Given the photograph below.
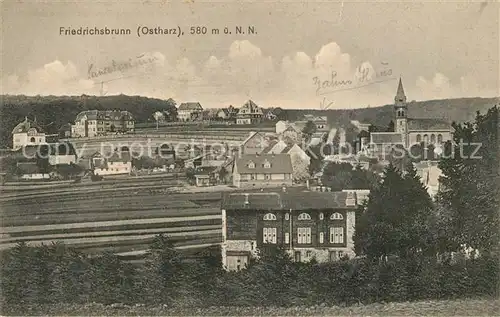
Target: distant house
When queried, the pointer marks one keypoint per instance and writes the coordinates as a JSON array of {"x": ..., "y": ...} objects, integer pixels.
[
  {"x": 27, "y": 132},
  {"x": 120, "y": 162},
  {"x": 186, "y": 110},
  {"x": 31, "y": 171},
  {"x": 308, "y": 225},
  {"x": 272, "y": 113},
  {"x": 65, "y": 131},
  {"x": 62, "y": 154},
  {"x": 93, "y": 123},
  {"x": 255, "y": 143},
  {"x": 206, "y": 176},
  {"x": 222, "y": 114},
  {"x": 321, "y": 122},
  {"x": 294, "y": 151},
  {"x": 249, "y": 113},
  {"x": 254, "y": 170}
]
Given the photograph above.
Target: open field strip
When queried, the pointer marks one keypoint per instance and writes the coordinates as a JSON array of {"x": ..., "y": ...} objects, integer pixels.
[
  {"x": 112, "y": 239},
  {"x": 97, "y": 234}
]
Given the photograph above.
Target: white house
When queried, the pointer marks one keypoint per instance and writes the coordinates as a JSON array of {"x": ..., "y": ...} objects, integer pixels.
[
  {"x": 187, "y": 110},
  {"x": 27, "y": 133},
  {"x": 119, "y": 163}
]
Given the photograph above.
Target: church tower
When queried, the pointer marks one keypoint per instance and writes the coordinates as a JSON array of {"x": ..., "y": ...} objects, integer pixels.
[{"x": 401, "y": 111}]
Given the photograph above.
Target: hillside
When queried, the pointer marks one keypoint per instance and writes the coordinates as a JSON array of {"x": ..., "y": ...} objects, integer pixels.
[{"x": 54, "y": 111}]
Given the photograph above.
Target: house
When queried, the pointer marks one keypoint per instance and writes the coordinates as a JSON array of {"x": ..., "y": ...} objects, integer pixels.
[
  {"x": 31, "y": 171},
  {"x": 255, "y": 143},
  {"x": 118, "y": 163},
  {"x": 62, "y": 154},
  {"x": 321, "y": 122},
  {"x": 93, "y": 123},
  {"x": 272, "y": 113},
  {"x": 267, "y": 170},
  {"x": 295, "y": 152},
  {"x": 410, "y": 131},
  {"x": 27, "y": 132},
  {"x": 186, "y": 110},
  {"x": 222, "y": 114},
  {"x": 65, "y": 131},
  {"x": 249, "y": 113},
  {"x": 308, "y": 225}
]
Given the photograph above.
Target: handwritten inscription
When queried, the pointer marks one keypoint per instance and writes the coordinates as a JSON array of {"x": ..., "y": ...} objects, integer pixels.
[
  {"x": 120, "y": 66},
  {"x": 364, "y": 76}
]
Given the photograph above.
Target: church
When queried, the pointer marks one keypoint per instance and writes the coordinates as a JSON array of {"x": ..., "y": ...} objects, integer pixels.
[{"x": 410, "y": 131}]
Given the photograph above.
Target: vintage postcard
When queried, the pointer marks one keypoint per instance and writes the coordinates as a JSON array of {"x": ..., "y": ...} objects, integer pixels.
[{"x": 240, "y": 158}]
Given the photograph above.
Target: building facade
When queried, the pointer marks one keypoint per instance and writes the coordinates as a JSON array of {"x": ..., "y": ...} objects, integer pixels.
[
  {"x": 27, "y": 132},
  {"x": 309, "y": 225},
  {"x": 266, "y": 170},
  {"x": 94, "y": 123},
  {"x": 116, "y": 164},
  {"x": 249, "y": 113},
  {"x": 188, "y": 110}
]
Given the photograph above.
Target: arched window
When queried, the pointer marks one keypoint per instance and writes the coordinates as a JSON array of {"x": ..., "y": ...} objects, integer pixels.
[
  {"x": 304, "y": 216},
  {"x": 287, "y": 216},
  {"x": 440, "y": 138},
  {"x": 32, "y": 140},
  {"x": 433, "y": 138},
  {"x": 336, "y": 216},
  {"x": 419, "y": 138},
  {"x": 269, "y": 216},
  {"x": 426, "y": 138},
  {"x": 321, "y": 216}
]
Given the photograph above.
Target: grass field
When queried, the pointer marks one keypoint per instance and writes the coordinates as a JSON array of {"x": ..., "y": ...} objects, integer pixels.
[{"x": 465, "y": 307}]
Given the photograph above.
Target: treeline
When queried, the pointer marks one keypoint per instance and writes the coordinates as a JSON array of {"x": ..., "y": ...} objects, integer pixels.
[{"x": 51, "y": 112}]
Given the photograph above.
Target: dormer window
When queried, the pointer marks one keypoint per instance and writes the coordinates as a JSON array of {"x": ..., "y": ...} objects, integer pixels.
[
  {"x": 304, "y": 216},
  {"x": 336, "y": 216},
  {"x": 267, "y": 164},
  {"x": 251, "y": 165},
  {"x": 269, "y": 216}
]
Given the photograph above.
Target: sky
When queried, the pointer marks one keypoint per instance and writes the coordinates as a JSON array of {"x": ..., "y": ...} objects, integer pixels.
[{"x": 314, "y": 54}]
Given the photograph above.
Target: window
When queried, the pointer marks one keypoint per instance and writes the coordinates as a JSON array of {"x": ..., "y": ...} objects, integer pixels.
[
  {"x": 419, "y": 138},
  {"x": 32, "y": 140},
  {"x": 337, "y": 235},
  {"x": 321, "y": 216},
  {"x": 308, "y": 254},
  {"x": 267, "y": 176},
  {"x": 251, "y": 165},
  {"x": 341, "y": 254},
  {"x": 321, "y": 237},
  {"x": 304, "y": 216},
  {"x": 433, "y": 138},
  {"x": 266, "y": 164},
  {"x": 336, "y": 216},
  {"x": 440, "y": 138},
  {"x": 252, "y": 176},
  {"x": 269, "y": 216},
  {"x": 287, "y": 238},
  {"x": 303, "y": 235},
  {"x": 269, "y": 235},
  {"x": 287, "y": 216},
  {"x": 426, "y": 138}
]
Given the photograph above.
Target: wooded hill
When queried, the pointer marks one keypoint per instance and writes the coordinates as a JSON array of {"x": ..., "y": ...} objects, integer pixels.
[{"x": 54, "y": 111}]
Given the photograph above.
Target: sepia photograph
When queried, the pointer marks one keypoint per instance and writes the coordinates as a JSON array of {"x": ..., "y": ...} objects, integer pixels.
[{"x": 249, "y": 158}]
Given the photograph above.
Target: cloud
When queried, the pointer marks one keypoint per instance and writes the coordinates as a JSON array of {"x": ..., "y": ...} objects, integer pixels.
[{"x": 246, "y": 72}]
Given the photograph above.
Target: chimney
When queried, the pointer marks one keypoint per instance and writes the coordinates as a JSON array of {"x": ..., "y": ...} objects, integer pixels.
[
  {"x": 246, "y": 200},
  {"x": 350, "y": 200}
]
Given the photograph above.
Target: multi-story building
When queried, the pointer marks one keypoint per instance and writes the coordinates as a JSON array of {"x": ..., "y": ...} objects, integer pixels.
[
  {"x": 118, "y": 163},
  {"x": 249, "y": 113},
  {"x": 189, "y": 110},
  {"x": 93, "y": 123},
  {"x": 27, "y": 133},
  {"x": 307, "y": 224},
  {"x": 266, "y": 170}
]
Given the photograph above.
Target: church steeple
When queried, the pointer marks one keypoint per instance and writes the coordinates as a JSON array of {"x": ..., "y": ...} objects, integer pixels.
[{"x": 400, "y": 94}]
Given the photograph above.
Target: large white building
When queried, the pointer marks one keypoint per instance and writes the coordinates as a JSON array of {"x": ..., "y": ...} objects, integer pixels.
[
  {"x": 93, "y": 123},
  {"x": 27, "y": 133}
]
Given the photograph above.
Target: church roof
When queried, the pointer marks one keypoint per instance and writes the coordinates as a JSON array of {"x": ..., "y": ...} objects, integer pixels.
[
  {"x": 430, "y": 124},
  {"x": 401, "y": 91}
]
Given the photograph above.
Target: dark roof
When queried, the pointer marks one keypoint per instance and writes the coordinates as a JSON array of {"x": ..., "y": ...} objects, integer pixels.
[
  {"x": 422, "y": 124},
  {"x": 401, "y": 91},
  {"x": 105, "y": 115},
  {"x": 28, "y": 167},
  {"x": 190, "y": 106},
  {"x": 206, "y": 170},
  {"x": 65, "y": 127},
  {"x": 386, "y": 138},
  {"x": 302, "y": 200},
  {"x": 280, "y": 163},
  {"x": 27, "y": 124},
  {"x": 64, "y": 148}
]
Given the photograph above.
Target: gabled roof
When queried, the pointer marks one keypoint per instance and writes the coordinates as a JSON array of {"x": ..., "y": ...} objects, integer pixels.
[
  {"x": 386, "y": 138},
  {"x": 250, "y": 108},
  {"x": 27, "y": 124},
  {"x": 280, "y": 164},
  {"x": 284, "y": 201},
  {"x": 430, "y": 124},
  {"x": 105, "y": 115},
  {"x": 190, "y": 106}
]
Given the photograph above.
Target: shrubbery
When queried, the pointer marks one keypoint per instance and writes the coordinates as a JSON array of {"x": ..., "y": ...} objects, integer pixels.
[{"x": 57, "y": 274}]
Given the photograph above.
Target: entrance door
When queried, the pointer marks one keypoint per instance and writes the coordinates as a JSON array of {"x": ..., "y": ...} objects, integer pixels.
[{"x": 297, "y": 256}]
